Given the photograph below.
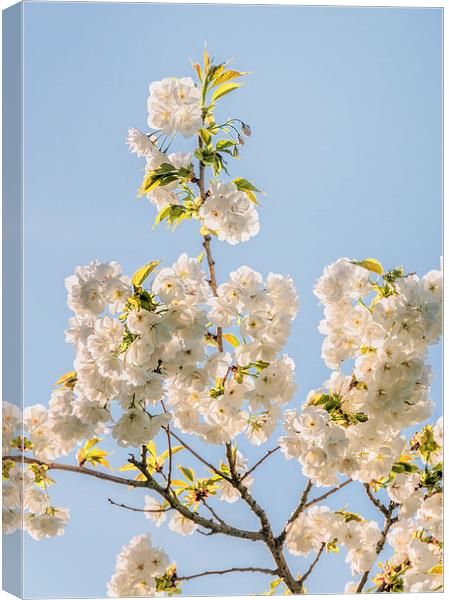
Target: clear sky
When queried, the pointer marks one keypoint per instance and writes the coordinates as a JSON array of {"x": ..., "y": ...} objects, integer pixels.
[{"x": 345, "y": 106}]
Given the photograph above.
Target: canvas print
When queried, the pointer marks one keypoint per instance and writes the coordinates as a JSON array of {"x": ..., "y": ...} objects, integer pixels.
[{"x": 223, "y": 357}]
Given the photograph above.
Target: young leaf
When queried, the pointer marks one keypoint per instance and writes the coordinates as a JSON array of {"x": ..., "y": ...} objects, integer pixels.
[
  {"x": 197, "y": 68},
  {"x": 188, "y": 473},
  {"x": 371, "y": 264},
  {"x": 436, "y": 570},
  {"x": 224, "y": 89},
  {"x": 141, "y": 274},
  {"x": 205, "y": 135},
  {"x": 151, "y": 447},
  {"x": 166, "y": 453},
  {"x": 244, "y": 185},
  {"x": 206, "y": 59},
  {"x": 162, "y": 214},
  {"x": 225, "y": 76},
  {"x": 68, "y": 379},
  {"x": 92, "y": 455},
  {"x": 128, "y": 467},
  {"x": 231, "y": 339}
]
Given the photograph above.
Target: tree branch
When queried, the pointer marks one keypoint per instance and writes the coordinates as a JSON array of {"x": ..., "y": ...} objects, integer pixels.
[
  {"x": 51, "y": 466},
  {"x": 266, "y": 533},
  {"x": 259, "y": 462},
  {"x": 170, "y": 454},
  {"x": 225, "y": 571},
  {"x": 329, "y": 493},
  {"x": 199, "y": 457},
  {"x": 144, "y": 510},
  {"x": 377, "y": 503},
  {"x": 297, "y": 511},
  {"x": 212, "y": 512},
  {"x": 313, "y": 564},
  {"x": 175, "y": 503},
  {"x": 389, "y": 521},
  {"x": 273, "y": 544}
]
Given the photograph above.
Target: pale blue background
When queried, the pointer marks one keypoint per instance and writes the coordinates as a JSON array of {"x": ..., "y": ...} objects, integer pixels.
[{"x": 345, "y": 105}]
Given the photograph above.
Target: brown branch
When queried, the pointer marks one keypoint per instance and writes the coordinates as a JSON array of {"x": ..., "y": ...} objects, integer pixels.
[
  {"x": 266, "y": 533},
  {"x": 51, "y": 466},
  {"x": 377, "y": 503},
  {"x": 273, "y": 544},
  {"x": 170, "y": 454},
  {"x": 329, "y": 493},
  {"x": 199, "y": 457},
  {"x": 259, "y": 462},
  {"x": 144, "y": 510},
  {"x": 313, "y": 564},
  {"x": 299, "y": 509},
  {"x": 213, "y": 512},
  {"x": 225, "y": 571},
  {"x": 207, "y": 532},
  {"x": 176, "y": 504},
  {"x": 389, "y": 521},
  {"x": 212, "y": 283}
]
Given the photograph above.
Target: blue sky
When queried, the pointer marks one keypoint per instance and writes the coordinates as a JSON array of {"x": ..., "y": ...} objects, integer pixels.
[{"x": 345, "y": 106}]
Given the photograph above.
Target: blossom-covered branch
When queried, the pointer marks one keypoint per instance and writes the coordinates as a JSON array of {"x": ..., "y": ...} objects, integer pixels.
[{"x": 171, "y": 354}]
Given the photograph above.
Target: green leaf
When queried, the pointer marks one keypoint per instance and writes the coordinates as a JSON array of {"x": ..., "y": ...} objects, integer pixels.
[
  {"x": 224, "y": 89},
  {"x": 141, "y": 274},
  {"x": 68, "y": 379},
  {"x": 404, "y": 467},
  {"x": 224, "y": 76},
  {"x": 273, "y": 585},
  {"x": 162, "y": 214},
  {"x": 224, "y": 144},
  {"x": 371, "y": 264},
  {"x": 188, "y": 473},
  {"x": 244, "y": 185},
  {"x": 205, "y": 135},
  {"x": 231, "y": 339},
  {"x": 166, "y": 453}
]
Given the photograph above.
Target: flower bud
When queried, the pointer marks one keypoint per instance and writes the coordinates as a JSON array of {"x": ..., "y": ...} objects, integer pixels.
[{"x": 246, "y": 129}]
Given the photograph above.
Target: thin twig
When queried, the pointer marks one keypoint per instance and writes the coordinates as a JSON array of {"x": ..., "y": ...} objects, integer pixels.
[
  {"x": 329, "y": 493},
  {"x": 207, "y": 532},
  {"x": 299, "y": 509},
  {"x": 313, "y": 565},
  {"x": 170, "y": 454},
  {"x": 389, "y": 521},
  {"x": 225, "y": 571},
  {"x": 177, "y": 505},
  {"x": 82, "y": 470},
  {"x": 377, "y": 503},
  {"x": 199, "y": 457},
  {"x": 144, "y": 510},
  {"x": 273, "y": 544},
  {"x": 259, "y": 462},
  {"x": 213, "y": 513},
  {"x": 267, "y": 535}
]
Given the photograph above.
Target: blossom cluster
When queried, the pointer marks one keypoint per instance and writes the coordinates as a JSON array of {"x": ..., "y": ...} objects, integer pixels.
[
  {"x": 137, "y": 568},
  {"x": 320, "y": 526},
  {"x": 416, "y": 564},
  {"x": 181, "y": 350},
  {"x": 417, "y": 536},
  {"x": 243, "y": 390},
  {"x": 382, "y": 329},
  {"x": 174, "y": 105},
  {"x": 229, "y": 213},
  {"x": 226, "y": 210},
  {"x": 135, "y": 348},
  {"x": 26, "y": 501}
]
